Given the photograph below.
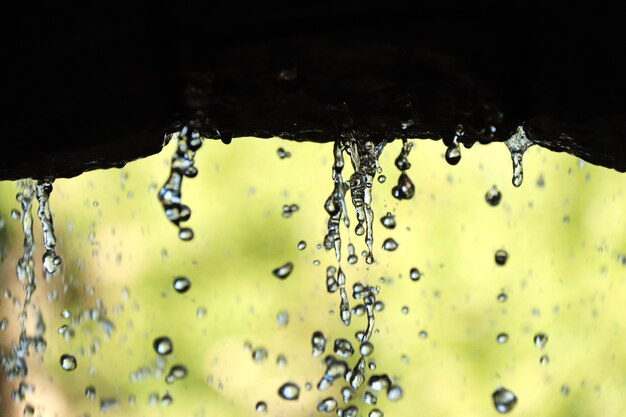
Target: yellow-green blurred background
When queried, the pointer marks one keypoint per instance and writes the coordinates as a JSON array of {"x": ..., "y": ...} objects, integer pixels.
[{"x": 564, "y": 277}]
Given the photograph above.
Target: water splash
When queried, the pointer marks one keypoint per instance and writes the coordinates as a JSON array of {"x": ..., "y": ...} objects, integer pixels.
[
  {"x": 517, "y": 144},
  {"x": 182, "y": 165},
  {"x": 51, "y": 260}
]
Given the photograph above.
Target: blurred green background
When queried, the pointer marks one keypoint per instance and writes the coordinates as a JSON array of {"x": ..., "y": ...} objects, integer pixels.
[{"x": 564, "y": 277}]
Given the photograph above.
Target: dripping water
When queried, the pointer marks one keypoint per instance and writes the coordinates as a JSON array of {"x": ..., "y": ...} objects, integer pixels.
[{"x": 517, "y": 144}]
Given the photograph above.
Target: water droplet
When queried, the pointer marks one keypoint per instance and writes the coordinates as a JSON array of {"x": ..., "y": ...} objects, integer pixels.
[
  {"x": 415, "y": 274},
  {"x": 318, "y": 342},
  {"x": 389, "y": 221},
  {"x": 405, "y": 310},
  {"x": 201, "y": 312},
  {"x": 68, "y": 362},
  {"x": 540, "y": 340},
  {"x": 282, "y": 272},
  {"x": 261, "y": 407},
  {"x": 394, "y": 393},
  {"x": 504, "y": 400},
  {"x": 502, "y": 338},
  {"x": 166, "y": 400},
  {"x": 544, "y": 360},
  {"x": 493, "y": 196},
  {"x": 390, "y": 244},
  {"x": 379, "y": 382},
  {"x": 185, "y": 234},
  {"x": 369, "y": 398},
  {"x": 348, "y": 394},
  {"x": 453, "y": 154},
  {"x": 423, "y": 334},
  {"x": 327, "y": 405},
  {"x": 501, "y": 257},
  {"x": 281, "y": 361},
  {"x": 502, "y": 297},
  {"x": 282, "y": 318},
  {"x": 107, "y": 404},
  {"x": 382, "y": 179},
  {"x": 259, "y": 354},
  {"x": 376, "y": 413},
  {"x": 302, "y": 245},
  {"x": 176, "y": 372},
  {"x": 379, "y": 306},
  {"x": 405, "y": 189},
  {"x": 163, "y": 345},
  {"x": 350, "y": 411},
  {"x": 282, "y": 154},
  {"x": 90, "y": 392},
  {"x": 366, "y": 349},
  {"x": 343, "y": 348},
  {"x": 517, "y": 144},
  {"x": 289, "y": 391},
  {"x": 182, "y": 285},
  {"x": 564, "y": 390}
]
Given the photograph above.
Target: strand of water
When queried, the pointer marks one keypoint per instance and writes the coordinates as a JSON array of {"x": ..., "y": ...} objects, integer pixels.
[
  {"x": 335, "y": 204},
  {"x": 51, "y": 260},
  {"x": 182, "y": 165}
]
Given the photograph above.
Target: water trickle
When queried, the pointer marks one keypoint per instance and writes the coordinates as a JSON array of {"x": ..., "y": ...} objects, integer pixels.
[
  {"x": 493, "y": 196},
  {"x": 163, "y": 345},
  {"x": 289, "y": 391},
  {"x": 390, "y": 244},
  {"x": 453, "y": 153},
  {"x": 68, "y": 362},
  {"x": 182, "y": 165},
  {"x": 389, "y": 221},
  {"x": 318, "y": 342},
  {"x": 504, "y": 400},
  {"x": 540, "y": 340},
  {"x": 51, "y": 260},
  {"x": 501, "y": 257},
  {"x": 327, "y": 405},
  {"x": 282, "y": 272},
  {"x": 517, "y": 144},
  {"x": 181, "y": 285}
]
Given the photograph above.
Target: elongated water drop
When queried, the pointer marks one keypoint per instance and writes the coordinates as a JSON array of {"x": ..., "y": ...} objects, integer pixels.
[
  {"x": 344, "y": 306},
  {"x": 504, "y": 400},
  {"x": 301, "y": 245},
  {"x": 343, "y": 348},
  {"x": 283, "y": 271},
  {"x": 289, "y": 391},
  {"x": 379, "y": 382},
  {"x": 540, "y": 340},
  {"x": 318, "y": 341},
  {"x": 517, "y": 144},
  {"x": 347, "y": 393},
  {"x": 90, "y": 392},
  {"x": 389, "y": 221},
  {"x": 51, "y": 260},
  {"x": 405, "y": 189}
]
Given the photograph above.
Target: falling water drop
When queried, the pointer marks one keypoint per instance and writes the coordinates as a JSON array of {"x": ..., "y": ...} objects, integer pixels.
[
  {"x": 282, "y": 154},
  {"x": 68, "y": 362},
  {"x": 282, "y": 272},
  {"x": 344, "y": 306},
  {"x": 502, "y": 297},
  {"x": 181, "y": 285},
  {"x": 376, "y": 413},
  {"x": 501, "y": 257},
  {"x": 540, "y": 340},
  {"x": 327, "y": 405},
  {"x": 366, "y": 349},
  {"x": 185, "y": 234},
  {"x": 163, "y": 345},
  {"x": 90, "y": 392},
  {"x": 493, "y": 196},
  {"x": 289, "y": 209},
  {"x": 544, "y": 360},
  {"x": 302, "y": 245},
  {"x": 259, "y": 354},
  {"x": 405, "y": 189},
  {"x": 289, "y": 391},
  {"x": 382, "y": 179},
  {"x": 394, "y": 393},
  {"x": 369, "y": 398},
  {"x": 343, "y": 348},
  {"x": 352, "y": 258},
  {"x": 318, "y": 342},
  {"x": 502, "y": 338},
  {"x": 390, "y": 244},
  {"x": 504, "y": 400},
  {"x": 261, "y": 407},
  {"x": 415, "y": 274},
  {"x": 379, "y": 382},
  {"x": 389, "y": 221}
]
